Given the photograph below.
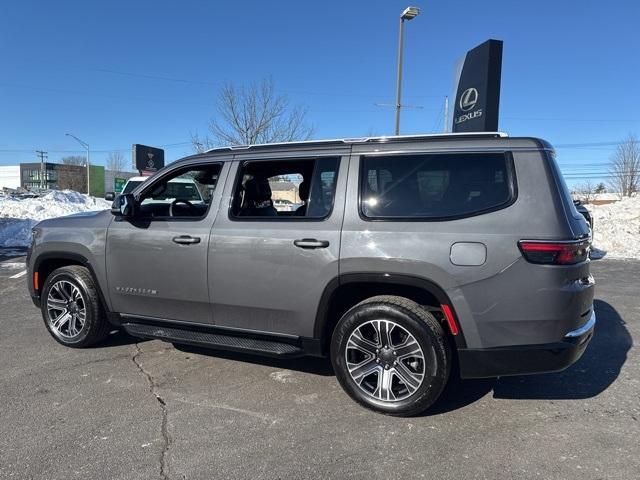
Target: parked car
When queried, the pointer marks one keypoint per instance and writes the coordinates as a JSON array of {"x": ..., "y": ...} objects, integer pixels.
[
  {"x": 410, "y": 254},
  {"x": 129, "y": 186},
  {"x": 582, "y": 210}
]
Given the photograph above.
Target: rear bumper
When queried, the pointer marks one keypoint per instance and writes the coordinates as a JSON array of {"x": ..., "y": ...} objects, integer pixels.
[{"x": 526, "y": 359}]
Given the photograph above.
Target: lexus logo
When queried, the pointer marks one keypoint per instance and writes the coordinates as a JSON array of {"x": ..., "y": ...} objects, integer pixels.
[{"x": 468, "y": 99}]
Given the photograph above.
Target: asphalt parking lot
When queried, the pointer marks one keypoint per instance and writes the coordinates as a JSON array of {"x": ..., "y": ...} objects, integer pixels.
[{"x": 146, "y": 410}]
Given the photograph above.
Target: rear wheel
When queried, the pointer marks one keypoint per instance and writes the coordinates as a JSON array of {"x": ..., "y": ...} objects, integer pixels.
[
  {"x": 71, "y": 308},
  {"x": 391, "y": 355}
]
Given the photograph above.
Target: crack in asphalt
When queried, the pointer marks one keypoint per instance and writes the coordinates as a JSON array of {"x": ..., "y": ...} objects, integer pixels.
[{"x": 153, "y": 388}]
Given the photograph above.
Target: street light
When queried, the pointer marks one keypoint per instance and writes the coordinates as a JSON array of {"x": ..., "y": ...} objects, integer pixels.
[
  {"x": 409, "y": 14},
  {"x": 85, "y": 145}
]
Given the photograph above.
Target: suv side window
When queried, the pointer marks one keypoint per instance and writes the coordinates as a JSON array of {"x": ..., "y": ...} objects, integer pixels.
[
  {"x": 185, "y": 193},
  {"x": 285, "y": 189},
  {"x": 435, "y": 186}
]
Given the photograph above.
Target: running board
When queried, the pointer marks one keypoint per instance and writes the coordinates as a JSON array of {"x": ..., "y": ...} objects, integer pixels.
[{"x": 221, "y": 341}]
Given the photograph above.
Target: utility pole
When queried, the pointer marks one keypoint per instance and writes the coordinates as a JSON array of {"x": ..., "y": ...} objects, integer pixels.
[
  {"x": 446, "y": 114},
  {"x": 42, "y": 155}
]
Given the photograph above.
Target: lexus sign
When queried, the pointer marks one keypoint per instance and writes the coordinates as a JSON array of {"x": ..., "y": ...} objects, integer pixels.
[
  {"x": 468, "y": 99},
  {"x": 477, "y": 89}
]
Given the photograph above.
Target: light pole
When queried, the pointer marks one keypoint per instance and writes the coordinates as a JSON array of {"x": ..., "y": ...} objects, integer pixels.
[
  {"x": 85, "y": 145},
  {"x": 409, "y": 14}
]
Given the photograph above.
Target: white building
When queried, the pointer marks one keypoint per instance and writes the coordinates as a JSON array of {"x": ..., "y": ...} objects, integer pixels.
[{"x": 9, "y": 176}]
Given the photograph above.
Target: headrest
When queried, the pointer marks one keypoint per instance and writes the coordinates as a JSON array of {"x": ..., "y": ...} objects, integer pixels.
[
  {"x": 207, "y": 177},
  {"x": 257, "y": 189},
  {"x": 303, "y": 191}
]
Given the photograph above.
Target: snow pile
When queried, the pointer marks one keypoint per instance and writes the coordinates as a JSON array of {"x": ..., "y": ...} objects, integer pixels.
[
  {"x": 617, "y": 227},
  {"x": 19, "y": 215}
]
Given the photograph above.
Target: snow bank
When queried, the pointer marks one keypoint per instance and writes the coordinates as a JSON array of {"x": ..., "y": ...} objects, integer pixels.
[
  {"x": 18, "y": 216},
  {"x": 617, "y": 227}
]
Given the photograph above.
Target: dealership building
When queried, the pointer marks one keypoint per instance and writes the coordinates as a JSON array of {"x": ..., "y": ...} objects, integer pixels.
[{"x": 58, "y": 176}]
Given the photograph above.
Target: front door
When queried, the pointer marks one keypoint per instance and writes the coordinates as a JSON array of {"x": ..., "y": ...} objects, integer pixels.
[
  {"x": 278, "y": 247},
  {"x": 157, "y": 263}
]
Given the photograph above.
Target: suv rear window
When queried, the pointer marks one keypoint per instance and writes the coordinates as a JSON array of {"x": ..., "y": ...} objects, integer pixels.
[{"x": 435, "y": 186}]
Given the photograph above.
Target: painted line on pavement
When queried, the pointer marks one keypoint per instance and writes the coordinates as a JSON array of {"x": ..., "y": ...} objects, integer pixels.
[{"x": 18, "y": 275}]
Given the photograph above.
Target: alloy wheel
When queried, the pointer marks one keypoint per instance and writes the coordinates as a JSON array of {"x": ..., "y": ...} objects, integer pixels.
[
  {"x": 66, "y": 309},
  {"x": 385, "y": 360}
]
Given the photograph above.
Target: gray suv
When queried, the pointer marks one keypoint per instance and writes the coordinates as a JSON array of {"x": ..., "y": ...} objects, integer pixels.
[{"x": 403, "y": 257}]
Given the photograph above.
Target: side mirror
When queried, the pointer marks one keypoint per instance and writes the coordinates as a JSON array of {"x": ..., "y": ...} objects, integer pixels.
[
  {"x": 110, "y": 196},
  {"x": 124, "y": 206}
]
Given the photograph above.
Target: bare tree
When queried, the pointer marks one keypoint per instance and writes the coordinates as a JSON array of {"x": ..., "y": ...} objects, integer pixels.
[
  {"x": 72, "y": 174},
  {"x": 200, "y": 144},
  {"x": 624, "y": 167},
  {"x": 585, "y": 191},
  {"x": 247, "y": 115},
  {"x": 116, "y": 162}
]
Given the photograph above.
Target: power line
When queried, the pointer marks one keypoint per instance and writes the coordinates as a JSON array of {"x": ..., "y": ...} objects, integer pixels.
[
  {"x": 104, "y": 95},
  {"x": 217, "y": 84},
  {"x": 296, "y": 92},
  {"x": 156, "y": 77},
  {"x": 171, "y": 100}
]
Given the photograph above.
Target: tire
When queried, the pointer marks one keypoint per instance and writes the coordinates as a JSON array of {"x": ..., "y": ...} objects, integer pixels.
[
  {"x": 399, "y": 382},
  {"x": 72, "y": 291}
]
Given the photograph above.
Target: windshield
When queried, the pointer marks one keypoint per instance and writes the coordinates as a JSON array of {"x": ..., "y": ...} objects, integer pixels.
[{"x": 128, "y": 188}]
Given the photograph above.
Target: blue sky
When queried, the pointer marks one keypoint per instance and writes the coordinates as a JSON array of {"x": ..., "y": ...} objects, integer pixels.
[{"x": 121, "y": 72}]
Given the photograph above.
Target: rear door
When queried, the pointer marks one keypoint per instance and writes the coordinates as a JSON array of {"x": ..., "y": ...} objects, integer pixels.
[{"x": 268, "y": 269}]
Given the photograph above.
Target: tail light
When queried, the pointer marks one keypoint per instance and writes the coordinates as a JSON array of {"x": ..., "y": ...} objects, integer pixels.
[{"x": 554, "y": 252}]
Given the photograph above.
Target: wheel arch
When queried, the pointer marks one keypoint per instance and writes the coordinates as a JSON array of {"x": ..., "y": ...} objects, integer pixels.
[
  {"x": 47, "y": 262},
  {"x": 347, "y": 290}
]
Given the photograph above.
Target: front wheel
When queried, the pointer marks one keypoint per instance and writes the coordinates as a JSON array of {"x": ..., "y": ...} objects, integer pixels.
[
  {"x": 71, "y": 308},
  {"x": 391, "y": 355}
]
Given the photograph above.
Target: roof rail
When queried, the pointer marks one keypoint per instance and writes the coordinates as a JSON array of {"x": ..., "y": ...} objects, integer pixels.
[{"x": 379, "y": 139}]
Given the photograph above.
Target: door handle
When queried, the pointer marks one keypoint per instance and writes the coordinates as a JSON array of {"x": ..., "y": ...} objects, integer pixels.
[
  {"x": 186, "y": 240},
  {"x": 311, "y": 243}
]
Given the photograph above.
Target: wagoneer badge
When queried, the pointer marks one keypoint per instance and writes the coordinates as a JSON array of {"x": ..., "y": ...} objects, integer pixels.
[{"x": 136, "y": 291}]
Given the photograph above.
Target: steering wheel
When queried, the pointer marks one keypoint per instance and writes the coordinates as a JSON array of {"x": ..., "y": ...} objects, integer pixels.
[{"x": 180, "y": 200}]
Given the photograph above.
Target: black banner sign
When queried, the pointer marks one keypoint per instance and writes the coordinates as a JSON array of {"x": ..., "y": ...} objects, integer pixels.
[
  {"x": 147, "y": 159},
  {"x": 477, "y": 89}
]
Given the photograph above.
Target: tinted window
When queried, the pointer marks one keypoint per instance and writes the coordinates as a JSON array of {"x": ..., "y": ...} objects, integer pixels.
[
  {"x": 434, "y": 186},
  {"x": 285, "y": 189}
]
